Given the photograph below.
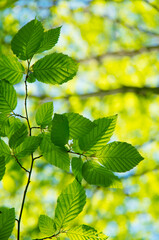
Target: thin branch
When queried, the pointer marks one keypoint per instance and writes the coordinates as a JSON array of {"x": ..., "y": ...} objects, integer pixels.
[
  {"x": 152, "y": 5},
  {"x": 80, "y": 154},
  {"x": 38, "y": 157},
  {"x": 20, "y": 164},
  {"x": 50, "y": 237},
  {"x": 18, "y": 115},
  {"x": 121, "y": 53}
]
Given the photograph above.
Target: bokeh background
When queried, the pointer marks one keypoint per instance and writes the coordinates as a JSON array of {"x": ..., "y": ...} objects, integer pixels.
[{"x": 117, "y": 46}]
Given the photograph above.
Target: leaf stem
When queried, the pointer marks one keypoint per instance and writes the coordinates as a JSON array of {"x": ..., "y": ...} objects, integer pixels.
[
  {"x": 50, "y": 237},
  {"x": 21, "y": 164}
]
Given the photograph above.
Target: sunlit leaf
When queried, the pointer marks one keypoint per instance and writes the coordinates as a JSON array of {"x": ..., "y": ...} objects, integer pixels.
[
  {"x": 55, "y": 68},
  {"x": 44, "y": 114},
  {"x": 8, "y": 97},
  {"x": 11, "y": 69},
  {"x": 49, "y": 40},
  {"x": 18, "y": 136},
  {"x": 77, "y": 164},
  {"x": 4, "y": 150},
  {"x": 46, "y": 225},
  {"x": 27, "y": 40},
  {"x": 119, "y": 156},
  {"x": 84, "y": 232},
  {"x": 99, "y": 135},
  {"x": 60, "y": 130},
  {"x": 69, "y": 204},
  {"x": 7, "y": 221},
  {"x": 98, "y": 175}
]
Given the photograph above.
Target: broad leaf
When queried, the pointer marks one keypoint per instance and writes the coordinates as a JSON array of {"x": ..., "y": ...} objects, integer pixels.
[
  {"x": 99, "y": 135},
  {"x": 26, "y": 148},
  {"x": 60, "y": 130},
  {"x": 53, "y": 154},
  {"x": 5, "y": 151},
  {"x": 77, "y": 164},
  {"x": 19, "y": 135},
  {"x": 2, "y": 167},
  {"x": 27, "y": 40},
  {"x": 98, "y": 175},
  {"x": 31, "y": 78},
  {"x": 11, "y": 69},
  {"x": 78, "y": 125},
  {"x": 3, "y": 119},
  {"x": 8, "y": 97},
  {"x": 49, "y": 40},
  {"x": 11, "y": 125},
  {"x": 84, "y": 232},
  {"x": 55, "y": 68},
  {"x": 7, "y": 221},
  {"x": 119, "y": 156},
  {"x": 44, "y": 114},
  {"x": 69, "y": 204},
  {"x": 46, "y": 225}
]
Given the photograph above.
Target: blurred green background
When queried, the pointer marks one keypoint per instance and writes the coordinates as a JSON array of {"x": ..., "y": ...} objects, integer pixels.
[{"x": 117, "y": 46}]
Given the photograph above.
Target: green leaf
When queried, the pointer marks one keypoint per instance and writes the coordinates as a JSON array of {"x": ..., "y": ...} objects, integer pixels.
[
  {"x": 18, "y": 137},
  {"x": 44, "y": 114},
  {"x": 27, "y": 40},
  {"x": 98, "y": 175},
  {"x": 78, "y": 125},
  {"x": 50, "y": 39},
  {"x": 5, "y": 151},
  {"x": 3, "y": 119},
  {"x": 69, "y": 204},
  {"x": 119, "y": 156},
  {"x": 60, "y": 130},
  {"x": 8, "y": 97},
  {"x": 55, "y": 68},
  {"x": 7, "y": 221},
  {"x": 46, "y": 225},
  {"x": 31, "y": 78},
  {"x": 77, "y": 164},
  {"x": 2, "y": 167},
  {"x": 99, "y": 135},
  {"x": 84, "y": 232},
  {"x": 11, "y": 69},
  {"x": 55, "y": 155},
  {"x": 11, "y": 125},
  {"x": 26, "y": 148}
]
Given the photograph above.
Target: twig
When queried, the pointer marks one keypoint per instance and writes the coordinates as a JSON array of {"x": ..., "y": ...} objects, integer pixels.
[
  {"x": 18, "y": 115},
  {"x": 38, "y": 157},
  {"x": 50, "y": 237},
  {"x": 21, "y": 164}
]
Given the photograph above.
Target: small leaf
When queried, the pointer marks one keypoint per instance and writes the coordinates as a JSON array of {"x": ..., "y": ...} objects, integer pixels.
[
  {"x": 55, "y": 68},
  {"x": 60, "y": 130},
  {"x": 5, "y": 151},
  {"x": 44, "y": 114},
  {"x": 19, "y": 135},
  {"x": 2, "y": 167},
  {"x": 77, "y": 164},
  {"x": 7, "y": 221},
  {"x": 27, "y": 40},
  {"x": 53, "y": 154},
  {"x": 26, "y": 148},
  {"x": 119, "y": 156},
  {"x": 78, "y": 125},
  {"x": 99, "y": 135},
  {"x": 69, "y": 204},
  {"x": 31, "y": 78},
  {"x": 98, "y": 175},
  {"x": 50, "y": 39},
  {"x": 11, "y": 69},
  {"x": 46, "y": 225},
  {"x": 8, "y": 97},
  {"x": 84, "y": 232}
]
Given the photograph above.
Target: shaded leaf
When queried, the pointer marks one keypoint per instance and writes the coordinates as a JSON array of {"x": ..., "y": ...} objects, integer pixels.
[
  {"x": 11, "y": 69},
  {"x": 84, "y": 232},
  {"x": 99, "y": 135},
  {"x": 19, "y": 135},
  {"x": 7, "y": 221},
  {"x": 78, "y": 125},
  {"x": 77, "y": 164},
  {"x": 98, "y": 175},
  {"x": 55, "y": 68},
  {"x": 5, "y": 151},
  {"x": 46, "y": 225},
  {"x": 2, "y": 167},
  {"x": 53, "y": 154},
  {"x": 50, "y": 39},
  {"x": 60, "y": 130},
  {"x": 44, "y": 114},
  {"x": 69, "y": 204},
  {"x": 8, "y": 97},
  {"x": 119, "y": 156},
  {"x": 27, "y": 40},
  {"x": 31, "y": 78}
]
